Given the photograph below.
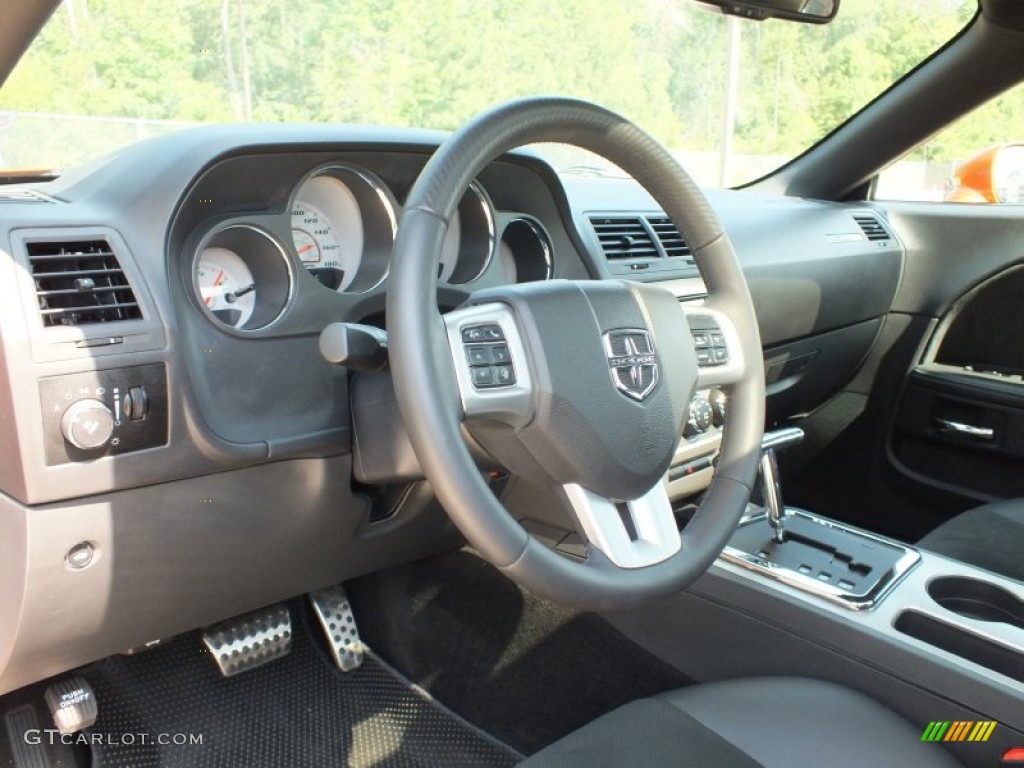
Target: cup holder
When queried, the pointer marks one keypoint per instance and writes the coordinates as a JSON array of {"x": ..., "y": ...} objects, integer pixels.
[{"x": 976, "y": 599}]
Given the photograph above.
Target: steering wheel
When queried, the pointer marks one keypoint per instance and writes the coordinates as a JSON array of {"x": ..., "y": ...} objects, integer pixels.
[{"x": 595, "y": 379}]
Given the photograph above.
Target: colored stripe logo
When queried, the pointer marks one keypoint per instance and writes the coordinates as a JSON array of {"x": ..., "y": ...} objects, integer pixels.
[{"x": 959, "y": 730}]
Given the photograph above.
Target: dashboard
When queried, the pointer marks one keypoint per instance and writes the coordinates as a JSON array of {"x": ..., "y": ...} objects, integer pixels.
[{"x": 165, "y": 408}]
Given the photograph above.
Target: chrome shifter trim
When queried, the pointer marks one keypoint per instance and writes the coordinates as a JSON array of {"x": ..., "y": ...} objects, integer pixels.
[{"x": 833, "y": 594}]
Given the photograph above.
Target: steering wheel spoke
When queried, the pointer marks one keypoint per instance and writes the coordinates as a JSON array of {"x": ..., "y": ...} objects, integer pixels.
[
  {"x": 631, "y": 534},
  {"x": 490, "y": 362},
  {"x": 716, "y": 341}
]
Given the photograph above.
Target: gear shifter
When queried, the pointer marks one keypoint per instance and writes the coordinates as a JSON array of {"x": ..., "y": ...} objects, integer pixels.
[
  {"x": 814, "y": 554},
  {"x": 771, "y": 485}
]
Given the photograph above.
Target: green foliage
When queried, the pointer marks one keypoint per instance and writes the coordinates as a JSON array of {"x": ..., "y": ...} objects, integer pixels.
[{"x": 434, "y": 64}]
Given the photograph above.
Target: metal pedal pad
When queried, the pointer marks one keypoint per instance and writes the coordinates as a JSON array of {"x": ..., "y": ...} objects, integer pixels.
[
  {"x": 334, "y": 612},
  {"x": 245, "y": 642}
]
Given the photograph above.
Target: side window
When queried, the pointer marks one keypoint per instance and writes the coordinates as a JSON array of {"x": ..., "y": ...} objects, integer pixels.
[{"x": 978, "y": 159}]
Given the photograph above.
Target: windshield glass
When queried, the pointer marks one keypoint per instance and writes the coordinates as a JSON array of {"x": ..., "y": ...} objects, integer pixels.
[{"x": 733, "y": 99}]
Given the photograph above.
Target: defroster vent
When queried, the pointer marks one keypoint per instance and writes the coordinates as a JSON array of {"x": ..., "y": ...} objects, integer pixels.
[{"x": 80, "y": 282}]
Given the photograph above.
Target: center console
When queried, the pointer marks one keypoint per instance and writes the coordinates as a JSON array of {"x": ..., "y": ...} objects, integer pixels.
[
  {"x": 935, "y": 639},
  {"x": 972, "y": 615}
]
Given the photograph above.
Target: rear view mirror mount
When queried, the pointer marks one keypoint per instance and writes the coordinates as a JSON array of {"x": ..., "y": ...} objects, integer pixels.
[{"x": 806, "y": 11}]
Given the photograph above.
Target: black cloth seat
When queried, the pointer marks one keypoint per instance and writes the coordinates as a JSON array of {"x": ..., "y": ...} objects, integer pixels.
[
  {"x": 774, "y": 722},
  {"x": 990, "y": 536}
]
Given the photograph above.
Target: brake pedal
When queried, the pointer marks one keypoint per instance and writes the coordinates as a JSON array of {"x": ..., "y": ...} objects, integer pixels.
[
  {"x": 334, "y": 612},
  {"x": 251, "y": 640}
]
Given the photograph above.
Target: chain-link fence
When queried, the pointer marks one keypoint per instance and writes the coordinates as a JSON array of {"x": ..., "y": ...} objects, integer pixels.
[
  {"x": 49, "y": 141},
  {"x": 46, "y": 141}
]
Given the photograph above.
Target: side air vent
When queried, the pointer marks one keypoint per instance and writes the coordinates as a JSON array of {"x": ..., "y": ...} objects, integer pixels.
[
  {"x": 872, "y": 227},
  {"x": 79, "y": 283},
  {"x": 624, "y": 237},
  {"x": 669, "y": 237}
]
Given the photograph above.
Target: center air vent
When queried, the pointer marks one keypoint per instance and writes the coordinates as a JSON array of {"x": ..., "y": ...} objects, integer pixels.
[
  {"x": 669, "y": 237},
  {"x": 80, "y": 282},
  {"x": 872, "y": 227},
  {"x": 624, "y": 237}
]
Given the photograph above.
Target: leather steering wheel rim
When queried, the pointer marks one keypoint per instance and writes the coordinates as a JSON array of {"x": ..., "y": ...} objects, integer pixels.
[{"x": 426, "y": 386}]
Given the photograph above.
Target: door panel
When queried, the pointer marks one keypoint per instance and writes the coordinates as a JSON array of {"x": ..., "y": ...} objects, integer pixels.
[{"x": 960, "y": 421}]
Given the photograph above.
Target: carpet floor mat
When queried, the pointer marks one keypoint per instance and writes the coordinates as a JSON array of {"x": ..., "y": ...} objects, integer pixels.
[
  {"x": 295, "y": 711},
  {"x": 522, "y": 668}
]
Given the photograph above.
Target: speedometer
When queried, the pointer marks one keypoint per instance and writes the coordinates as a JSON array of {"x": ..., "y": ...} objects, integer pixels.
[
  {"x": 343, "y": 226},
  {"x": 317, "y": 245}
]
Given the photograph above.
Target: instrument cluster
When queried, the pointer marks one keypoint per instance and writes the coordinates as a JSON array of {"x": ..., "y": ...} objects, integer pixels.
[{"x": 342, "y": 223}]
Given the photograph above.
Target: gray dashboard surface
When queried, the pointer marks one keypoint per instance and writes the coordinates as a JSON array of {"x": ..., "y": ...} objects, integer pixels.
[{"x": 238, "y": 399}]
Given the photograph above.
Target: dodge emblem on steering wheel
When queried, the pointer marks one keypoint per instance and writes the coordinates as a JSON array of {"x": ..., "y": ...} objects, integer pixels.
[{"x": 633, "y": 363}]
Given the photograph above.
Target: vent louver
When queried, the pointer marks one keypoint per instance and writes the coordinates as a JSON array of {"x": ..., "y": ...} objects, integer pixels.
[
  {"x": 624, "y": 237},
  {"x": 872, "y": 227},
  {"x": 669, "y": 236},
  {"x": 79, "y": 283}
]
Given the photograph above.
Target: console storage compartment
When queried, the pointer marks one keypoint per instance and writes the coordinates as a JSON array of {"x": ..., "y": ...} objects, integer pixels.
[{"x": 960, "y": 642}]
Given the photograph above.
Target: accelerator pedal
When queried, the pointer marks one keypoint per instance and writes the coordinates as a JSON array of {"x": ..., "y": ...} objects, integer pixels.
[
  {"x": 248, "y": 641},
  {"x": 334, "y": 612}
]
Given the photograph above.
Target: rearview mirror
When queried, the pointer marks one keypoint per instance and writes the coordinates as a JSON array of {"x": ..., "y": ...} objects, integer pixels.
[
  {"x": 808, "y": 11},
  {"x": 995, "y": 175}
]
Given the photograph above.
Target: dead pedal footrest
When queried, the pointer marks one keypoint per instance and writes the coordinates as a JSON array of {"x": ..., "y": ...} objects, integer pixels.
[
  {"x": 334, "y": 612},
  {"x": 245, "y": 642}
]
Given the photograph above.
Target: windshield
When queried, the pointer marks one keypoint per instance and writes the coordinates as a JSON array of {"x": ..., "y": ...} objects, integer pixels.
[{"x": 733, "y": 99}]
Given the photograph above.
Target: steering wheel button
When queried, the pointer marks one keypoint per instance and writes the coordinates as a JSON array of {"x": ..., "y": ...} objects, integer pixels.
[
  {"x": 500, "y": 354},
  {"x": 720, "y": 355},
  {"x": 505, "y": 376},
  {"x": 478, "y": 333},
  {"x": 704, "y": 357},
  {"x": 483, "y": 377},
  {"x": 478, "y": 356},
  {"x": 717, "y": 340},
  {"x": 701, "y": 340}
]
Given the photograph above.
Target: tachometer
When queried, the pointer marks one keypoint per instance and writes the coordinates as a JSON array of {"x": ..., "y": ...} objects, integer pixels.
[
  {"x": 469, "y": 245},
  {"x": 525, "y": 251}
]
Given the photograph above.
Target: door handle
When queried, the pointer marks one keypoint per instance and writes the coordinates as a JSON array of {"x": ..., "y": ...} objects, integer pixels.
[{"x": 966, "y": 430}]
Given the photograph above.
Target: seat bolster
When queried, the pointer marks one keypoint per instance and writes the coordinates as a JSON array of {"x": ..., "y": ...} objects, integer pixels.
[
  {"x": 646, "y": 732},
  {"x": 788, "y": 721},
  {"x": 990, "y": 536}
]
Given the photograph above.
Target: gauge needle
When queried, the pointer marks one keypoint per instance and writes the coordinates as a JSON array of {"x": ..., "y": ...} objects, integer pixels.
[
  {"x": 307, "y": 247},
  {"x": 232, "y": 295}
]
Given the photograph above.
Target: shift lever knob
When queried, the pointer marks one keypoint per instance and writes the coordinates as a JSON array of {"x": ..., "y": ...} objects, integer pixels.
[{"x": 771, "y": 485}]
